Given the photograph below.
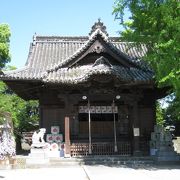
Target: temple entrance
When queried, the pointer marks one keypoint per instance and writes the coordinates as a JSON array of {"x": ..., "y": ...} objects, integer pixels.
[
  {"x": 102, "y": 126},
  {"x": 104, "y": 121},
  {"x": 109, "y": 131}
]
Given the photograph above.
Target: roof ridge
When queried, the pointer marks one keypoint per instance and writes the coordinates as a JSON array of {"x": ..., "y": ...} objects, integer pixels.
[
  {"x": 57, "y": 38},
  {"x": 62, "y": 41},
  {"x": 98, "y": 25},
  {"x": 98, "y": 31},
  {"x": 54, "y": 38}
]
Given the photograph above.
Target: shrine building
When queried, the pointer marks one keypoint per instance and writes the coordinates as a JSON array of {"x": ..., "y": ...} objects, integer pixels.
[{"x": 96, "y": 88}]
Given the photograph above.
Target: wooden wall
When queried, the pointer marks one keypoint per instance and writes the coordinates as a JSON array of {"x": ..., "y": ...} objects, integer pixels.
[
  {"x": 52, "y": 116},
  {"x": 146, "y": 116},
  {"x": 54, "y": 109}
]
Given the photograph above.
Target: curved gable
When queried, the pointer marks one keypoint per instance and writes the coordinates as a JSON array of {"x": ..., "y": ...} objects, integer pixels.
[{"x": 97, "y": 44}]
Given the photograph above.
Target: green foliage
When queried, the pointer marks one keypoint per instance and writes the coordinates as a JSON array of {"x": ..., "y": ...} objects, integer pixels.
[
  {"x": 155, "y": 23},
  {"x": 159, "y": 115},
  {"x": 4, "y": 44},
  {"x": 172, "y": 112},
  {"x": 24, "y": 113},
  {"x": 2, "y": 121},
  {"x": 9, "y": 67}
]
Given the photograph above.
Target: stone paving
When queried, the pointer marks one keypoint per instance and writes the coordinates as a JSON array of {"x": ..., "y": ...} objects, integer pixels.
[
  {"x": 95, "y": 172},
  {"x": 150, "y": 173},
  {"x": 44, "y": 174}
]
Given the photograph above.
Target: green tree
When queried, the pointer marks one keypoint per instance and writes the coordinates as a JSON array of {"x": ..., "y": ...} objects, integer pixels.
[
  {"x": 4, "y": 44},
  {"x": 155, "y": 23},
  {"x": 159, "y": 114},
  {"x": 24, "y": 113},
  {"x": 172, "y": 111}
]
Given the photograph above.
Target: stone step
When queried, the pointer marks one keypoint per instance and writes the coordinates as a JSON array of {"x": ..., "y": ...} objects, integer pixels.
[
  {"x": 93, "y": 160},
  {"x": 102, "y": 160},
  {"x": 108, "y": 163}
]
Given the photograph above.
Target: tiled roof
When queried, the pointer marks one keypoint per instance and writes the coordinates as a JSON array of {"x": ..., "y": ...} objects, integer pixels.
[
  {"x": 83, "y": 73},
  {"x": 49, "y": 54}
]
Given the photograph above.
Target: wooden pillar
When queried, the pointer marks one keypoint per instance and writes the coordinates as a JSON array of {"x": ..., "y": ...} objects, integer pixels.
[
  {"x": 136, "y": 130},
  {"x": 89, "y": 125},
  {"x": 114, "y": 124},
  {"x": 67, "y": 138}
]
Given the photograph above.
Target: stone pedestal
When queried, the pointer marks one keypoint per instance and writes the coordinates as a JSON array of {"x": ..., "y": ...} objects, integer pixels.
[
  {"x": 164, "y": 155},
  {"x": 38, "y": 156},
  {"x": 161, "y": 146},
  {"x": 54, "y": 154}
]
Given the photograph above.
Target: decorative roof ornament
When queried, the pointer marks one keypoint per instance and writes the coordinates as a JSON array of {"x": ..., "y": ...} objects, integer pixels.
[
  {"x": 34, "y": 39},
  {"x": 98, "y": 25},
  {"x": 102, "y": 61}
]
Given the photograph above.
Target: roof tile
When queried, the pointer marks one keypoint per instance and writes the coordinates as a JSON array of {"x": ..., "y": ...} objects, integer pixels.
[{"x": 48, "y": 54}]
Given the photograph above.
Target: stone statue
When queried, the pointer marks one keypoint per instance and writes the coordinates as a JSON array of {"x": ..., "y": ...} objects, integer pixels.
[{"x": 38, "y": 138}]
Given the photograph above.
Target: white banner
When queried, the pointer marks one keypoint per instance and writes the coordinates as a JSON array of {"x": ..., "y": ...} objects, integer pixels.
[{"x": 98, "y": 109}]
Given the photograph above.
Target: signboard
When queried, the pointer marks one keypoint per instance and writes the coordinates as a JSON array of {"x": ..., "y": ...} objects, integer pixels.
[{"x": 136, "y": 132}]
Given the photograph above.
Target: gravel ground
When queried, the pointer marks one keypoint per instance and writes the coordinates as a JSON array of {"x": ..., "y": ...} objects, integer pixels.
[{"x": 96, "y": 172}]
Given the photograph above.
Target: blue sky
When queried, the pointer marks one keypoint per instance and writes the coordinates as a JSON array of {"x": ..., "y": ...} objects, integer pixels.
[{"x": 52, "y": 17}]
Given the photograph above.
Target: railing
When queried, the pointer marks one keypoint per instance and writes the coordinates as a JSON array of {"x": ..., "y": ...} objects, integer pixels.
[
  {"x": 101, "y": 148},
  {"x": 124, "y": 148},
  {"x": 79, "y": 149}
]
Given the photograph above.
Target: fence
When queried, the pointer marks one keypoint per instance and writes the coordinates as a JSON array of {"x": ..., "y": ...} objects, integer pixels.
[{"x": 101, "y": 148}]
